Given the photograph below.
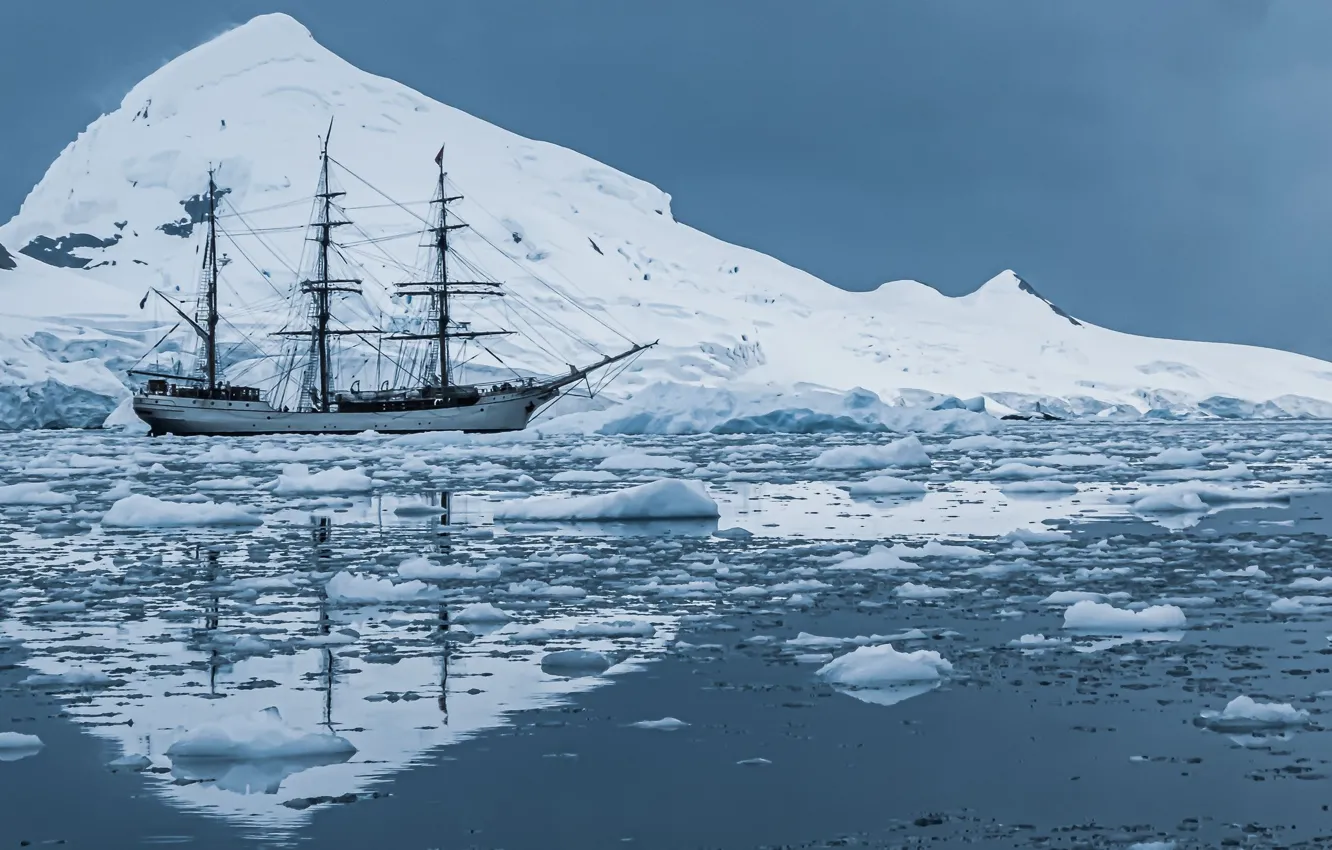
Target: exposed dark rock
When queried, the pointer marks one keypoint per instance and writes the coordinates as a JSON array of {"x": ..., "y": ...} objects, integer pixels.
[
  {"x": 196, "y": 212},
  {"x": 6, "y": 261},
  {"x": 60, "y": 250},
  {"x": 1031, "y": 290}
]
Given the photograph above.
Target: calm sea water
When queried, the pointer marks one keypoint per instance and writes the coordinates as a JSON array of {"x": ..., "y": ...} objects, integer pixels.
[{"x": 122, "y": 641}]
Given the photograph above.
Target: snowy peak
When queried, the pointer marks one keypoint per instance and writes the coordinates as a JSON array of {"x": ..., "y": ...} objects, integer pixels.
[
  {"x": 262, "y": 40},
  {"x": 1007, "y": 286}
]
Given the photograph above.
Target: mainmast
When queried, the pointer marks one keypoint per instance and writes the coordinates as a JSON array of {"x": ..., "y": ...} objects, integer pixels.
[
  {"x": 439, "y": 288},
  {"x": 322, "y": 286}
]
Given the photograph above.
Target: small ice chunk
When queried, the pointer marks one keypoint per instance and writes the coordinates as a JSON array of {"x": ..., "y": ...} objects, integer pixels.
[
  {"x": 418, "y": 567},
  {"x": 1016, "y": 471},
  {"x": 16, "y": 742},
  {"x": 1038, "y": 487},
  {"x": 131, "y": 761},
  {"x": 1199, "y": 496},
  {"x": 886, "y": 485},
  {"x": 69, "y": 679},
  {"x": 666, "y": 724},
  {"x": 583, "y": 476},
  {"x": 1036, "y": 642},
  {"x": 354, "y": 587},
  {"x": 1068, "y": 597},
  {"x": 578, "y": 661},
  {"x": 906, "y": 452},
  {"x": 878, "y": 666},
  {"x": 1243, "y": 714},
  {"x": 880, "y": 557},
  {"x": 481, "y": 612},
  {"x": 910, "y": 590},
  {"x": 642, "y": 460},
  {"x": 1103, "y": 617},
  {"x": 297, "y": 480},
  {"x": 1176, "y": 456}
]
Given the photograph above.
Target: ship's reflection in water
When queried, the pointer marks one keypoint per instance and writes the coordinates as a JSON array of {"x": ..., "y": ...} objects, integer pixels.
[{"x": 230, "y": 631}]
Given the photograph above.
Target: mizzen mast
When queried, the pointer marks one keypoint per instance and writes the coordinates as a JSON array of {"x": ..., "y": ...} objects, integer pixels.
[{"x": 440, "y": 289}]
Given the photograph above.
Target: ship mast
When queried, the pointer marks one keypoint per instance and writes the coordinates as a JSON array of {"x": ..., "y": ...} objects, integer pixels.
[
  {"x": 210, "y": 278},
  {"x": 439, "y": 288},
  {"x": 321, "y": 287}
]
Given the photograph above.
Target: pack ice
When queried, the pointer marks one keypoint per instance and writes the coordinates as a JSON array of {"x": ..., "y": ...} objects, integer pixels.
[{"x": 117, "y": 213}]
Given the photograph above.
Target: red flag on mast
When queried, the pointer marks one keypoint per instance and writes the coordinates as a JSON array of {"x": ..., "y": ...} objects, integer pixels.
[{"x": 439, "y": 157}]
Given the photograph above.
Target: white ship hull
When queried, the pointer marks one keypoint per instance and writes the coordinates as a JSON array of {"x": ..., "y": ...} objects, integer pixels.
[{"x": 167, "y": 414}]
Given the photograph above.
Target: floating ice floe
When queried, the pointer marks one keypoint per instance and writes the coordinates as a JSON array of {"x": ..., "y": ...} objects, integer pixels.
[
  {"x": 1090, "y": 616},
  {"x": 906, "y": 452},
  {"x": 140, "y": 511},
  {"x": 666, "y": 499},
  {"x": 481, "y": 613},
  {"x": 880, "y": 557},
  {"x": 1177, "y": 457},
  {"x": 420, "y": 568},
  {"x": 1243, "y": 714},
  {"x": 1018, "y": 471},
  {"x": 1037, "y": 642},
  {"x": 1300, "y": 605},
  {"x": 297, "y": 480},
  {"x": 982, "y": 442},
  {"x": 583, "y": 476},
  {"x": 1233, "y": 472},
  {"x": 910, "y": 590},
  {"x": 257, "y": 736},
  {"x": 33, "y": 493},
  {"x": 881, "y": 675},
  {"x": 886, "y": 485},
  {"x": 16, "y": 745},
  {"x": 537, "y": 633},
  {"x": 131, "y": 761},
  {"x": 1199, "y": 496},
  {"x": 666, "y": 724},
  {"x": 1069, "y": 597},
  {"x": 567, "y": 662},
  {"x": 642, "y": 460},
  {"x": 69, "y": 679},
  {"x": 354, "y": 587},
  {"x": 1038, "y": 487}
]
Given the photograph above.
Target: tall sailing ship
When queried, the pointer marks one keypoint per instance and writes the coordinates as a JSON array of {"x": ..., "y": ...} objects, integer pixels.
[{"x": 429, "y": 397}]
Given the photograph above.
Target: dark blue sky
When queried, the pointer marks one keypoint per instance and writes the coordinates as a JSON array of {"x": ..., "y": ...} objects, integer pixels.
[{"x": 1156, "y": 167}]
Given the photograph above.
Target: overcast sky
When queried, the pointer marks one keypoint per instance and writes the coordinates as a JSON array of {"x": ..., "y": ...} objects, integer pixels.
[{"x": 1155, "y": 167}]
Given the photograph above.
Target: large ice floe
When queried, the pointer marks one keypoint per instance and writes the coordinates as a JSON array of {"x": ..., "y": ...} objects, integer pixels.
[
  {"x": 140, "y": 511},
  {"x": 255, "y": 737},
  {"x": 1091, "y": 616},
  {"x": 118, "y": 212},
  {"x": 665, "y": 499}
]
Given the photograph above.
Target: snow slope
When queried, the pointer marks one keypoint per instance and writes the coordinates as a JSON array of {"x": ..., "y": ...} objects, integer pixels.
[{"x": 255, "y": 100}]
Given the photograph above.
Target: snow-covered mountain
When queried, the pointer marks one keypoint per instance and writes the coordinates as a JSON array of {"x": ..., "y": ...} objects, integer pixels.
[{"x": 119, "y": 210}]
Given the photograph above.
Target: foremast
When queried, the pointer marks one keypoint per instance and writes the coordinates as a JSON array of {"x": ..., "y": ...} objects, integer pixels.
[
  {"x": 441, "y": 290},
  {"x": 210, "y": 264}
]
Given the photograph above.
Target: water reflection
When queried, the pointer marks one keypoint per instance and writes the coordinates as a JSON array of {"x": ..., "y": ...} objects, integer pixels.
[{"x": 229, "y": 634}]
